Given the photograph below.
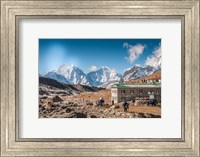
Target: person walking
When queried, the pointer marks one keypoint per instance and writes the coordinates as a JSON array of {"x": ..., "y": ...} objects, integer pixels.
[
  {"x": 151, "y": 98},
  {"x": 100, "y": 101},
  {"x": 113, "y": 102},
  {"x": 126, "y": 106}
]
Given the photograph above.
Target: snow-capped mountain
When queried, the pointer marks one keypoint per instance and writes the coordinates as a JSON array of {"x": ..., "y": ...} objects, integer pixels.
[
  {"x": 72, "y": 73},
  {"x": 58, "y": 77},
  {"x": 137, "y": 72},
  {"x": 101, "y": 76}
]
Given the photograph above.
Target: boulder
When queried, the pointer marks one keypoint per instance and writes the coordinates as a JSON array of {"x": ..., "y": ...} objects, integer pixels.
[
  {"x": 68, "y": 110},
  {"x": 93, "y": 116},
  {"x": 114, "y": 106},
  {"x": 89, "y": 103},
  {"x": 48, "y": 104},
  {"x": 140, "y": 102},
  {"x": 57, "y": 99}
]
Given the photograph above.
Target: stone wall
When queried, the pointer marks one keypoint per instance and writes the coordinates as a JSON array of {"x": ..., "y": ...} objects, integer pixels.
[{"x": 130, "y": 94}]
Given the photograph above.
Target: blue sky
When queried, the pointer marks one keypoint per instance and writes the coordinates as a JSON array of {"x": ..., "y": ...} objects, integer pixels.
[{"x": 89, "y": 54}]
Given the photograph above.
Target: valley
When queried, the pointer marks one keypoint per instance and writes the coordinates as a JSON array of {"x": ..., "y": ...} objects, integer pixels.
[{"x": 60, "y": 100}]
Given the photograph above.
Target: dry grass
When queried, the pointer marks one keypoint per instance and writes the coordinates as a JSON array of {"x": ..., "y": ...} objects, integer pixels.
[{"x": 92, "y": 96}]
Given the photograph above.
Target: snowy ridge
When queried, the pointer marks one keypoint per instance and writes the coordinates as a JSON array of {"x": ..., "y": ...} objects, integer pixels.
[
  {"x": 72, "y": 73},
  {"x": 57, "y": 77},
  {"x": 137, "y": 72},
  {"x": 102, "y": 77}
]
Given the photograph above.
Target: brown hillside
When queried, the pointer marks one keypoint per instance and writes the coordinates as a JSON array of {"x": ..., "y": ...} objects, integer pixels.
[{"x": 93, "y": 96}]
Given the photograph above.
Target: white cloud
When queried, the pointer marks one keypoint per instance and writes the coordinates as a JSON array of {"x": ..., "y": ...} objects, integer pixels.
[
  {"x": 125, "y": 45},
  {"x": 92, "y": 68},
  {"x": 133, "y": 51},
  {"x": 154, "y": 59}
]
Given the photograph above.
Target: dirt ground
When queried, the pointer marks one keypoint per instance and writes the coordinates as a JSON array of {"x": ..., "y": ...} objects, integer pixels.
[
  {"x": 93, "y": 96},
  {"x": 106, "y": 95},
  {"x": 156, "y": 110}
]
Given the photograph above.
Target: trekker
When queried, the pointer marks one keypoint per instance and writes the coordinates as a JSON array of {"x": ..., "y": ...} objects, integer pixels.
[
  {"x": 133, "y": 100},
  {"x": 101, "y": 101},
  {"x": 113, "y": 102},
  {"x": 126, "y": 106},
  {"x": 152, "y": 100}
]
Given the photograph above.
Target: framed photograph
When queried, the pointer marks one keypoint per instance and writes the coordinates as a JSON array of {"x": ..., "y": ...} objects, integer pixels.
[
  {"x": 99, "y": 91},
  {"x": 100, "y": 78}
]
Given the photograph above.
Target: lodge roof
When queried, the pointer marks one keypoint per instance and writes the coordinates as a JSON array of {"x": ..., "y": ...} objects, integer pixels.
[{"x": 137, "y": 86}]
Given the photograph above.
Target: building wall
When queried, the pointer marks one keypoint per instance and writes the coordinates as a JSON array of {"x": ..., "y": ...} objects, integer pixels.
[
  {"x": 130, "y": 94},
  {"x": 114, "y": 94}
]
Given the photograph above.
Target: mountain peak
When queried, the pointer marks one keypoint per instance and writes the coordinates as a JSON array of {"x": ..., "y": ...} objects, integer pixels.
[
  {"x": 105, "y": 67},
  {"x": 73, "y": 66},
  {"x": 62, "y": 67},
  {"x": 51, "y": 71},
  {"x": 103, "y": 76},
  {"x": 137, "y": 72},
  {"x": 137, "y": 65}
]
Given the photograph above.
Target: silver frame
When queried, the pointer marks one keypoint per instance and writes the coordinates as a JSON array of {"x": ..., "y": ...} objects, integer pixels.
[{"x": 13, "y": 11}]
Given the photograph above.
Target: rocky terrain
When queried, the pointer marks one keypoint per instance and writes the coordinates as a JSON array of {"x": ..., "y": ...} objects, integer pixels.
[{"x": 60, "y": 108}]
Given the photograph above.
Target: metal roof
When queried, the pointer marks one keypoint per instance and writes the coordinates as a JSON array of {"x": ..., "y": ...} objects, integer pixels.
[{"x": 137, "y": 86}]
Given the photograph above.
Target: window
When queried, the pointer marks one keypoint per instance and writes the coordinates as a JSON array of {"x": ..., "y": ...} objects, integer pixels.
[
  {"x": 132, "y": 92},
  {"x": 141, "y": 91},
  {"x": 123, "y": 91},
  {"x": 157, "y": 91}
]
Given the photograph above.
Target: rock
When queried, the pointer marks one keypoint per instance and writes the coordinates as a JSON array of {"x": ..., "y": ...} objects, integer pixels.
[
  {"x": 118, "y": 114},
  {"x": 114, "y": 106},
  {"x": 47, "y": 104},
  {"x": 42, "y": 92},
  {"x": 43, "y": 97},
  {"x": 81, "y": 115},
  {"x": 101, "y": 111},
  {"x": 70, "y": 115},
  {"x": 89, "y": 103},
  {"x": 56, "y": 104},
  {"x": 63, "y": 107},
  {"x": 40, "y": 105},
  {"x": 106, "y": 105},
  {"x": 57, "y": 99},
  {"x": 93, "y": 116},
  {"x": 70, "y": 103},
  {"x": 68, "y": 110},
  {"x": 140, "y": 102},
  {"x": 146, "y": 115}
]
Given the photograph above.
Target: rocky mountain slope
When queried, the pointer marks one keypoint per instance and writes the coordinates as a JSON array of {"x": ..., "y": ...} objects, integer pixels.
[
  {"x": 57, "y": 77},
  {"x": 137, "y": 72},
  {"x": 48, "y": 86}
]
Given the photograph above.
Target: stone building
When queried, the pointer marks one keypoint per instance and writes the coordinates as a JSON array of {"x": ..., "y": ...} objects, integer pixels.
[
  {"x": 121, "y": 92},
  {"x": 153, "y": 81}
]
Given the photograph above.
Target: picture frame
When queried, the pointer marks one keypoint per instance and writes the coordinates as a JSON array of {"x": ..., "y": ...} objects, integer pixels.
[{"x": 13, "y": 11}]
